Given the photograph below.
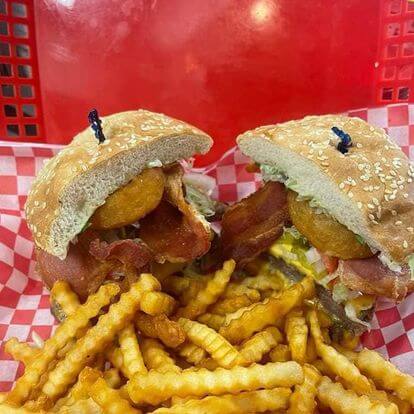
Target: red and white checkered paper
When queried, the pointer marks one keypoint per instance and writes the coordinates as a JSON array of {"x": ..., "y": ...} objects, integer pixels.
[{"x": 24, "y": 302}]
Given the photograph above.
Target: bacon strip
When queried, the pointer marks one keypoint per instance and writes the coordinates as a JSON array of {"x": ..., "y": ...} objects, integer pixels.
[
  {"x": 129, "y": 252},
  {"x": 372, "y": 277},
  {"x": 174, "y": 231},
  {"x": 250, "y": 226},
  {"x": 81, "y": 270},
  {"x": 90, "y": 262}
]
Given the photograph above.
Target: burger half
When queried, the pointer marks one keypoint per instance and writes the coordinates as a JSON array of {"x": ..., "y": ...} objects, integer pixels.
[
  {"x": 109, "y": 210},
  {"x": 337, "y": 203}
]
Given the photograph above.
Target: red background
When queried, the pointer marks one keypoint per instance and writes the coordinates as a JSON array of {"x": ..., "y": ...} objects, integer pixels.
[{"x": 225, "y": 66}]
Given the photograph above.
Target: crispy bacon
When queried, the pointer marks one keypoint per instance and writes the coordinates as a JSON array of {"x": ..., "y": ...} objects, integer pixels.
[
  {"x": 372, "y": 277},
  {"x": 174, "y": 231},
  {"x": 90, "y": 262},
  {"x": 252, "y": 225},
  {"x": 129, "y": 252}
]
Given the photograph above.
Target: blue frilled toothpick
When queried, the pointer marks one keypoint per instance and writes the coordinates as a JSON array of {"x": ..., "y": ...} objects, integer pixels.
[
  {"x": 345, "y": 140},
  {"x": 96, "y": 125}
]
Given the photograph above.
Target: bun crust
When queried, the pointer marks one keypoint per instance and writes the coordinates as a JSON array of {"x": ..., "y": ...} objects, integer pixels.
[
  {"x": 74, "y": 183},
  {"x": 370, "y": 189}
]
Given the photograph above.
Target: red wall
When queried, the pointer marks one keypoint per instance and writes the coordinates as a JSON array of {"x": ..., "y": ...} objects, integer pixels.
[{"x": 224, "y": 65}]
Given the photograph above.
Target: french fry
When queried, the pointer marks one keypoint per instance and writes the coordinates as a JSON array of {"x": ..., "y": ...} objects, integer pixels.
[
  {"x": 115, "y": 357},
  {"x": 350, "y": 341},
  {"x": 163, "y": 271},
  {"x": 404, "y": 407},
  {"x": 192, "y": 353},
  {"x": 67, "y": 299},
  {"x": 311, "y": 354},
  {"x": 263, "y": 282},
  {"x": 63, "y": 334},
  {"x": 385, "y": 375},
  {"x": 175, "y": 285},
  {"x": 337, "y": 362},
  {"x": 343, "y": 401},
  {"x": 112, "y": 377},
  {"x": 109, "y": 399},
  {"x": 21, "y": 351},
  {"x": 297, "y": 336},
  {"x": 157, "y": 303},
  {"x": 154, "y": 387},
  {"x": 260, "y": 344},
  {"x": 96, "y": 338},
  {"x": 160, "y": 327},
  {"x": 156, "y": 357},
  {"x": 209, "y": 295},
  {"x": 194, "y": 286},
  {"x": 132, "y": 357},
  {"x": 243, "y": 403},
  {"x": 212, "y": 320},
  {"x": 209, "y": 363},
  {"x": 265, "y": 313},
  {"x": 8, "y": 409},
  {"x": 220, "y": 350},
  {"x": 79, "y": 391},
  {"x": 280, "y": 353},
  {"x": 87, "y": 406},
  {"x": 323, "y": 368},
  {"x": 303, "y": 398},
  {"x": 236, "y": 289},
  {"x": 230, "y": 305}
]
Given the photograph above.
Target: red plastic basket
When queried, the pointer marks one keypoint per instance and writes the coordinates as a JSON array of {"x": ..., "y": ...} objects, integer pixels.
[{"x": 225, "y": 66}]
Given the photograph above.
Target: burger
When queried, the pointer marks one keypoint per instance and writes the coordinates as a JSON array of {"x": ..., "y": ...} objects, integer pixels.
[
  {"x": 338, "y": 204},
  {"x": 108, "y": 209}
]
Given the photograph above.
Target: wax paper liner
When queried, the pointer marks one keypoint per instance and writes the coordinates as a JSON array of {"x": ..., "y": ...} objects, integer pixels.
[{"x": 24, "y": 302}]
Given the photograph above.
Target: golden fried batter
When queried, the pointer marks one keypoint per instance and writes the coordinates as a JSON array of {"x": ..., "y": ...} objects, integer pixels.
[{"x": 324, "y": 232}]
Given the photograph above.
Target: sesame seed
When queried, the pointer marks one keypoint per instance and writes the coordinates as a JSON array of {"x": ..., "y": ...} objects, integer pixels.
[
  {"x": 375, "y": 201},
  {"x": 325, "y": 164},
  {"x": 342, "y": 186},
  {"x": 371, "y": 216},
  {"x": 405, "y": 195},
  {"x": 359, "y": 204},
  {"x": 410, "y": 229},
  {"x": 350, "y": 194},
  {"x": 393, "y": 212},
  {"x": 405, "y": 244},
  {"x": 398, "y": 223},
  {"x": 371, "y": 206},
  {"x": 359, "y": 145}
]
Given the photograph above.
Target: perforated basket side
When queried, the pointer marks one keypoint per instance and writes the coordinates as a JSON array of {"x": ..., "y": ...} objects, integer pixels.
[
  {"x": 395, "y": 63},
  {"x": 20, "y": 102}
]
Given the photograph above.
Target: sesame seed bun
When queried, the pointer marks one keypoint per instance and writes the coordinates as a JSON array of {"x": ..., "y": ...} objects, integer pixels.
[
  {"x": 74, "y": 183},
  {"x": 369, "y": 189}
]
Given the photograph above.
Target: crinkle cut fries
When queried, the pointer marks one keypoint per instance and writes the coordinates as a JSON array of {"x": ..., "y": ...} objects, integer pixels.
[{"x": 213, "y": 343}]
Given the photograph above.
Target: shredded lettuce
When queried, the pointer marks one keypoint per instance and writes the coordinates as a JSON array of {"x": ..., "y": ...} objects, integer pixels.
[
  {"x": 387, "y": 261},
  {"x": 154, "y": 163},
  {"x": 293, "y": 231},
  {"x": 341, "y": 293},
  {"x": 201, "y": 201},
  {"x": 411, "y": 264},
  {"x": 273, "y": 173},
  {"x": 359, "y": 239},
  {"x": 351, "y": 313}
]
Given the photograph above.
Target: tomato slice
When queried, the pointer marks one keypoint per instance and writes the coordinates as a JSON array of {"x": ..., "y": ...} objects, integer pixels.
[{"x": 330, "y": 262}]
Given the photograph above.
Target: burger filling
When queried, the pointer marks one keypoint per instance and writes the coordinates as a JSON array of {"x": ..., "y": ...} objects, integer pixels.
[
  {"x": 298, "y": 230},
  {"x": 147, "y": 221}
]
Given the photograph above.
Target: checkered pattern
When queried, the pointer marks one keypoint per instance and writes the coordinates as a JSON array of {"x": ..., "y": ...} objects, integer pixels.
[{"x": 24, "y": 303}]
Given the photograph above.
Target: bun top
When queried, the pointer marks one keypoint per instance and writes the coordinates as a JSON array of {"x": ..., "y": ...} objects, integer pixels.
[
  {"x": 369, "y": 189},
  {"x": 74, "y": 183}
]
